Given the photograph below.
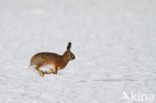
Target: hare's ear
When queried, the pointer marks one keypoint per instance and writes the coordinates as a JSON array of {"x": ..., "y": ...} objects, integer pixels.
[{"x": 69, "y": 46}]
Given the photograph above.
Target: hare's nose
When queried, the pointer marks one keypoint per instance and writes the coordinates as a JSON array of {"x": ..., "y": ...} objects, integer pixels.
[{"x": 73, "y": 57}]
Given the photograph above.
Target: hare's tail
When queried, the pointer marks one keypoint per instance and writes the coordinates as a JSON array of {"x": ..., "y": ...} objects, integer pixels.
[{"x": 31, "y": 66}]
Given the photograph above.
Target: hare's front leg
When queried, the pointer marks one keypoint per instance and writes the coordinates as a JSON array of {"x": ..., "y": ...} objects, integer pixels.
[
  {"x": 41, "y": 73},
  {"x": 55, "y": 70}
]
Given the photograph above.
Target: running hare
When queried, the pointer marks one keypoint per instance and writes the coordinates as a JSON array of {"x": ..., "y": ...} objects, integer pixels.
[{"x": 54, "y": 61}]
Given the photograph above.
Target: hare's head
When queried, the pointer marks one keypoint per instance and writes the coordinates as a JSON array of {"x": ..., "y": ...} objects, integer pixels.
[{"x": 68, "y": 54}]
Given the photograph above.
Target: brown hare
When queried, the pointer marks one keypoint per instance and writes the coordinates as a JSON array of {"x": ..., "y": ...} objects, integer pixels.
[{"x": 54, "y": 61}]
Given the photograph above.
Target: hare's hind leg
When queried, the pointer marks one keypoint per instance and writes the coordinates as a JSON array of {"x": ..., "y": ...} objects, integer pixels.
[{"x": 41, "y": 73}]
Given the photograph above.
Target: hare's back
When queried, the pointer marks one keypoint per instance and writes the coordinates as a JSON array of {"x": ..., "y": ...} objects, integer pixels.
[{"x": 45, "y": 58}]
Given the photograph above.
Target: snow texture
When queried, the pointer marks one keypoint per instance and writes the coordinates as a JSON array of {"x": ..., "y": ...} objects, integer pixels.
[{"x": 114, "y": 42}]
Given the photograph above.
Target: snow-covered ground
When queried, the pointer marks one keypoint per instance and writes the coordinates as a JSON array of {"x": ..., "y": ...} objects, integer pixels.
[{"x": 114, "y": 42}]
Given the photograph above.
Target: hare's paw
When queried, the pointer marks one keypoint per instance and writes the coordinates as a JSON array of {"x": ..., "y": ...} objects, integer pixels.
[
  {"x": 41, "y": 73},
  {"x": 54, "y": 72}
]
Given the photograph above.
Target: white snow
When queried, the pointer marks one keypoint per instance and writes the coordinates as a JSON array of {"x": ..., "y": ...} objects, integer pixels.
[{"x": 114, "y": 42}]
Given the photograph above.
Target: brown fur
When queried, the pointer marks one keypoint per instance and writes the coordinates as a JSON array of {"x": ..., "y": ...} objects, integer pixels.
[{"x": 57, "y": 61}]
